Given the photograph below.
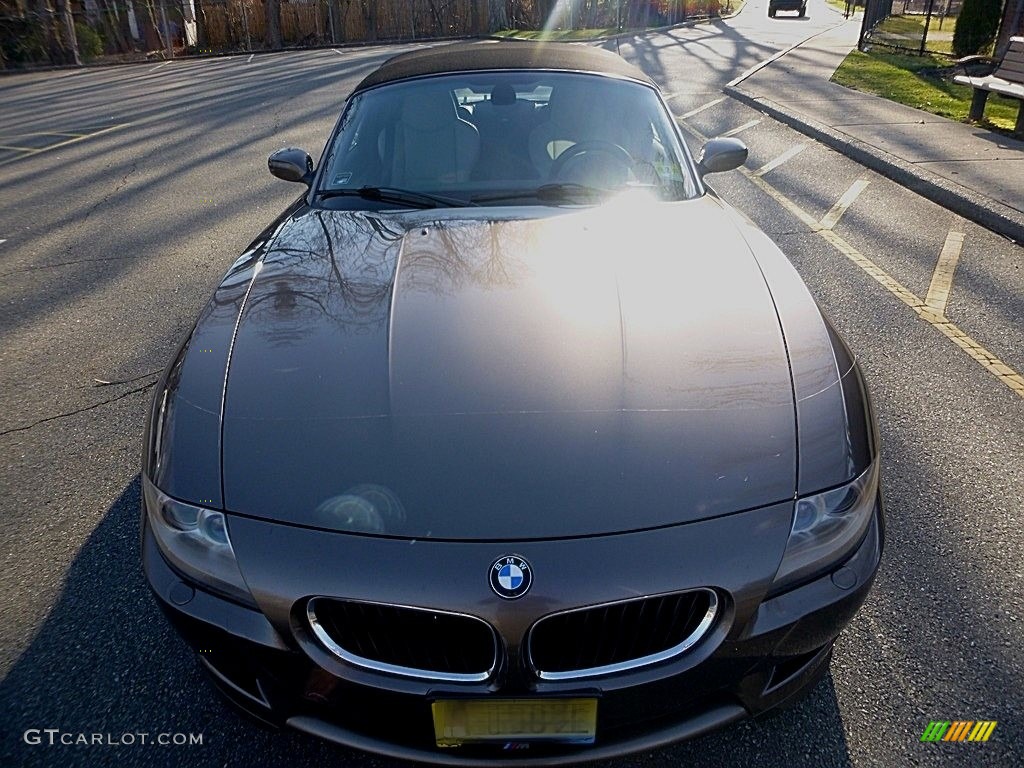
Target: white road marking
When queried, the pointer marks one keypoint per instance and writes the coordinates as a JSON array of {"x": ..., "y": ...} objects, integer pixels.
[
  {"x": 3, "y": 241},
  {"x": 741, "y": 128},
  {"x": 701, "y": 108},
  {"x": 250, "y": 58},
  {"x": 789, "y": 154},
  {"x": 161, "y": 64},
  {"x": 830, "y": 219},
  {"x": 942, "y": 279}
]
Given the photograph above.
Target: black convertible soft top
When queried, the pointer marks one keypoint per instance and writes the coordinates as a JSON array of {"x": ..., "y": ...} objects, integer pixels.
[{"x": 493, "y": 54}]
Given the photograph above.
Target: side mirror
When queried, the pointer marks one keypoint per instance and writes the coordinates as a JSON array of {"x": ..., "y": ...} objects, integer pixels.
[
  {"x": 721, "y": 155},
  {"x": 291, "y": 164}
]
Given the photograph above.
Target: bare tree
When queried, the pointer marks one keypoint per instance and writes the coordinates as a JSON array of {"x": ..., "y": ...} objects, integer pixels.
[
  {"x": 201, "y": 36},
  {"x": 497, "y": 16},
  {"x": 71, "y": 55},
  {"x": 370, "y": 19},
  {"x": 153, "y": 33},
  {"x": 272, "y": 9},
  {"x": 110, "y": 22}
]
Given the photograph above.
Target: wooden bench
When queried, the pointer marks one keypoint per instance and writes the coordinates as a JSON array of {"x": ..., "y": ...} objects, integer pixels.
[{"x": 1007, "y": 80}]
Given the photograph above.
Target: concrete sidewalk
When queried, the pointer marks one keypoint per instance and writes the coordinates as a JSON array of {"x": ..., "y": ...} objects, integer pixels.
[{"x": 977, "y": 173}]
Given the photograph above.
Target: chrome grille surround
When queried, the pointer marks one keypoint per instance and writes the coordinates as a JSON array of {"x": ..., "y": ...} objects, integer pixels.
[
  {"x": 325, "y": 629},
  {"x": 694, "y": 627}
]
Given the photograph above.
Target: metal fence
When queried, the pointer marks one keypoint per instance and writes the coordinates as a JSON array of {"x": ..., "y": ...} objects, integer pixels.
[
  {"x": 911, "y": 26},
  {"x": 36, "y": 32}
]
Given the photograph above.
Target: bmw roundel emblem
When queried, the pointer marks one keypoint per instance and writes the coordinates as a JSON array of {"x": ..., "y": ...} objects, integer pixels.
[{"x": 511, "y": 577}]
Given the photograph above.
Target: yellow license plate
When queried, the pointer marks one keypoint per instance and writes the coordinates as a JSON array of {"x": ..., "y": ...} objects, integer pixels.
[{"x": 461, "y": 721}]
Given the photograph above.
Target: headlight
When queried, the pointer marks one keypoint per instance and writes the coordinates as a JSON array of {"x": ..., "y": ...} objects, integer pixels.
[
  {"x": 826, "y": 528},
  {"x": 195, "y": 541}
]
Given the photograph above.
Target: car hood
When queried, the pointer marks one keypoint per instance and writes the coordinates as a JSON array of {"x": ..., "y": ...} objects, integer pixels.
[{"x": 494, "y": 377}]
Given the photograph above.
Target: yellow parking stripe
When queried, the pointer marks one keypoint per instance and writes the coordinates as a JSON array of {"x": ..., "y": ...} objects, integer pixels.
[
  {"x": 942, "y": 278},
  {"x": 743, "y": 127},
  {"x": 698, "y": 110},
  {"x": 60, "y": 144},
  {"x": 830, "y": 219},
  {"x": 974, "y": 350},
  {"x": 5, "y": 136},
  {"x": 789, "y": 154}
]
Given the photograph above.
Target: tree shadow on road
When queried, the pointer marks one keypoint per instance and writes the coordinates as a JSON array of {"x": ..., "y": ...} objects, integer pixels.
[{"x": 106, "y": 661}]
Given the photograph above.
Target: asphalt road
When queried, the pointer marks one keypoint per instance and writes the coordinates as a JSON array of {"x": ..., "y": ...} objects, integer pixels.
[{"x": 135, "y": 187}]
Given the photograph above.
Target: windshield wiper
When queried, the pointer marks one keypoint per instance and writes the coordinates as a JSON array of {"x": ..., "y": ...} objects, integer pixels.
[
  {"x": 559, "y": 192},
  {"x": 396, "y": 195}
]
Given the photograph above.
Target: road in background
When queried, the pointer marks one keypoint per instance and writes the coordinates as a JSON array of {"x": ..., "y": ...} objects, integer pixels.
[{"x": 111, "y": 243}]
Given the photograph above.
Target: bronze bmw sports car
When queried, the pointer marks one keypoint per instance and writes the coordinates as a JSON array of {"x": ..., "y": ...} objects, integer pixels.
[{"x": 510, "y": 441}]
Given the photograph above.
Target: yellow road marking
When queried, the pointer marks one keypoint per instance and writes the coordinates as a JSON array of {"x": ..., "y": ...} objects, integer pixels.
[
  {"x": 786, "y": 203},
  {"x": 789, "y": 154},
  {"x": 38, "y": 133},
  {"x": 974, "y": 350},
  {"x": 830, "y": 219},
  {"x": 60, "y": 144},
  {"x": 698, "y": 110},
  {"x": 18, "y": 149},
  {"x": 942, "y": 278},
  {"x": 743, "y": 127}
]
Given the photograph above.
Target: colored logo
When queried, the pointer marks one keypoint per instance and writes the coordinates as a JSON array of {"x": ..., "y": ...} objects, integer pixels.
[
  {"x": 511, "y": 577},
  {"x": 958, "y": 730}
]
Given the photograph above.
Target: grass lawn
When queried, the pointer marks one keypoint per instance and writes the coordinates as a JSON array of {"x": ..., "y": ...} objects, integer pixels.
[
  {"x": 840, "y": 5},
  {"x": 903, "y": 79}
]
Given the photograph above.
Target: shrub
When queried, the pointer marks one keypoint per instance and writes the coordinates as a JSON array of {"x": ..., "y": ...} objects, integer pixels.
[
  {"x": 21, "y": 41},
  {"x": 90, "y": 42},
  {"x": 976, "y": 27}
]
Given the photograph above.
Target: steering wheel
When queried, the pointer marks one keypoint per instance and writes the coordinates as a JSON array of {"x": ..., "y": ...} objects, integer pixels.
[{"x": 606, "y": 148}]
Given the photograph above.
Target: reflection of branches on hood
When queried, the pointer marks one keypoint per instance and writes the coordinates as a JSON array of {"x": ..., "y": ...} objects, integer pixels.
[
  {"x": 282, "y": 314},
  {"x": 285, "y": 299},
  {"x": 503, "y": 239},
  {"x": 330, "y": 250},
  {"x": 370, "y": 274},
  {"x": 382, "y": 230},
  {"x": 481, "y": 254}
]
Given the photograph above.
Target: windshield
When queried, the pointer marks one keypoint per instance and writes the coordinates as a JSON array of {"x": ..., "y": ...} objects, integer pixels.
[{"x": 493, "y": 138}]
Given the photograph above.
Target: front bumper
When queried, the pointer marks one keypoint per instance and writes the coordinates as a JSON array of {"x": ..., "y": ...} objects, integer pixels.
[{"x": 761, "y": 654}]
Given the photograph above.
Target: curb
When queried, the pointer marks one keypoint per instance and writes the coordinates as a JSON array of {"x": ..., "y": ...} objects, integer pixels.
[{"x": 993, "y": 215}]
